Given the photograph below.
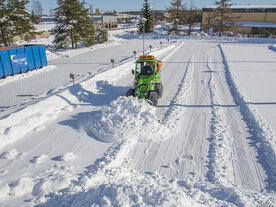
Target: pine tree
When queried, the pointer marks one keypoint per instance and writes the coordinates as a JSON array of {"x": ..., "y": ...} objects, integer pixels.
[
  {"x": 101, "y": 33},
  {"x": 20, "y": 17},
  {"x": 148, "y": 25},
  {"x": 223, "y": 18},
  {"x": 73, "y": 24},
  {"x": 177, "y": 12},
  {"x": 4, "y": 24},
  {"x": 14, "y": 20}
]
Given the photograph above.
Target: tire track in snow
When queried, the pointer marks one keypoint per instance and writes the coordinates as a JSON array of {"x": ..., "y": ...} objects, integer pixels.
[
  {"x": 180, "y": 91},
  {"x": 259, "y": 135},
  {"x": 220, "y": 169}
]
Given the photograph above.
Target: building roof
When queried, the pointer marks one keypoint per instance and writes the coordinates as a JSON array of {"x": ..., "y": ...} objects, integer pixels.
[
  {"x": 273, "y": 6},
  {"x": 256, "y": 24}
]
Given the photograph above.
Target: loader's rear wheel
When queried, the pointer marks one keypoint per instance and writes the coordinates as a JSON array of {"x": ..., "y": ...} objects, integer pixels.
[
  {"x": 159, "y": 89},
  {"x": 153, "y": 97},
  {"x": 130, "y": 92}
]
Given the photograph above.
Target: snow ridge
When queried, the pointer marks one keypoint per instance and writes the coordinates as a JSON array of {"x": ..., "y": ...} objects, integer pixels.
[
  {"x": 263, "y": 138},
  {"x": 183, "y": 90}
]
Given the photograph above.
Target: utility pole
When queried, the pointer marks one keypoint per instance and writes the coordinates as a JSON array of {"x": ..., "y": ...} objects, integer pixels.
[{"x": 91, "y": 9}]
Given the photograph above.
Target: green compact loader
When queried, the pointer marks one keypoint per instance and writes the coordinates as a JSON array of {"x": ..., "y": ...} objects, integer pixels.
[{"x": 147, "y": 80}]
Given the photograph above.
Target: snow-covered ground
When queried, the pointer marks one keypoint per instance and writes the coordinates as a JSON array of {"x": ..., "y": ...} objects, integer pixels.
[{"x": 210, "y": 141}]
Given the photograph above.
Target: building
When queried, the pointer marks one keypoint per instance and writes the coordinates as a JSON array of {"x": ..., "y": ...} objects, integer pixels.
[
  {"x": 250, "y": 19},
  {"x": 109, "y": 21}
]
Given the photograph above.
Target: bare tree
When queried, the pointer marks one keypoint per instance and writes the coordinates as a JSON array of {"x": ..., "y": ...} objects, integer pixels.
[
  {"x": 37, "y": 8},
  {"x": 177, "y": 15},
  {"x": 223, "y": 18},
  {"x": 192, "y": 17}
]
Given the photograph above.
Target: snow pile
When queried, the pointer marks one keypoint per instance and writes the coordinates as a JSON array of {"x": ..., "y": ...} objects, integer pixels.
[
  {"x": 10, "y": 154},
  {"x": 4, "y": 189},
  {"x": 127, "y": 118},
  {"x": 22, "y": 187},
  {"x": 55, "y": 182},
  {"x": 122, "y": 187},
  {"x": 39, "y": 159}
]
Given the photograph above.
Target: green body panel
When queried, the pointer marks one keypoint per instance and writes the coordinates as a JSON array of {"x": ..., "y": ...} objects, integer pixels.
[{"x": 143, "y": 84}]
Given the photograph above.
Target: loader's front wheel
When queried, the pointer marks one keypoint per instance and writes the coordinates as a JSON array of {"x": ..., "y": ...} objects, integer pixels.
[
  {"x": 159, "y": 89},
  {"x": 153, "y": 97}
]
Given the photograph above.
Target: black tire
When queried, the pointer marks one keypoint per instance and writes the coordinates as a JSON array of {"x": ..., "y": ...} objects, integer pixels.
[
  {"x": 153, "y": 97},
  {"x": 159, "y": 89},
  {"x": 130, "y": 92}
]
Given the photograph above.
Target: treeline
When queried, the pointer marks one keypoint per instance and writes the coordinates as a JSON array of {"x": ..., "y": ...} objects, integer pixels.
[{"x": 180, "y": 14}]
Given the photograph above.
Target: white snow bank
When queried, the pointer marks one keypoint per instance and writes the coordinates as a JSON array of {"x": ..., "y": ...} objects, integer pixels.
[
  {"x": 21, "y": 187},
  {"x": 52, "y": 183},
  {"x": 124, "y": 187},
  {"x": 127, "y": 117},
  {"x": 4, "y": 189}
]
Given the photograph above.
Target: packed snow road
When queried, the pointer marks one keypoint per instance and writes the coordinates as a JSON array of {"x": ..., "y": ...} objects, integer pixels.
[
  {"x": 88, "y": 145},
  {"x": 212, "y": 141}
]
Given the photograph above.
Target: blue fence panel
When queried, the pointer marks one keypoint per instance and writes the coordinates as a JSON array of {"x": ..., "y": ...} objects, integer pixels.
[
  {"x": 2, "y": 74},
  {"x": 13, "y": 53},
  {"x": 36, "y": 57},
  {"x": 6, "y": 63},
  {"x": 30, "y": 58},
  {"x": 21, "y": 59},
  {"x": 43, "y": 56}
]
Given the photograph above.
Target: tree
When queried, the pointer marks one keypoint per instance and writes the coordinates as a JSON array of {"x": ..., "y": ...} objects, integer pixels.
[
  {"x": 4, "y": 24},
  {"x": 177, "y": 15},
  {"x": 38, "y": 11},
  {"x": 101, "y": 33},
  {"x": 223, "y": 18},
  {"x": 192, "y": 17},
  {"x": 73, "y": 24},
  {"x": 147, "y": 25},
  {"x": 14, "y": 20}
]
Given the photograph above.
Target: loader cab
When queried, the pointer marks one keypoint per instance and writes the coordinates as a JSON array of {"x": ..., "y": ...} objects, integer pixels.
[{"x": 145, "y": 68}]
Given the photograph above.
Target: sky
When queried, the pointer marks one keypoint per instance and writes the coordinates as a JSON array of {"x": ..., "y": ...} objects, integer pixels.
[{"x": 136, "y": 5}]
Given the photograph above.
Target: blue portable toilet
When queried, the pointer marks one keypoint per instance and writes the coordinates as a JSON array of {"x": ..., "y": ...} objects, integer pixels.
[{"x": 21, "y": 59}]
